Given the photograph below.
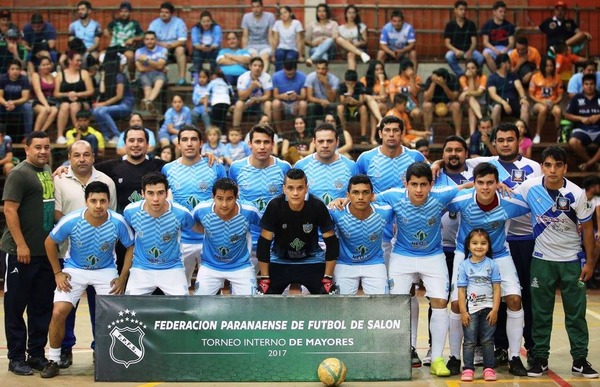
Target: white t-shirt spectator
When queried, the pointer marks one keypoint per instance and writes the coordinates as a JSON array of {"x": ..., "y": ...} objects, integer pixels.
[
  {"x": 245, "y": 80},
  {"x": 287, "y": 36},
  {"x": 353, "y": 33}
]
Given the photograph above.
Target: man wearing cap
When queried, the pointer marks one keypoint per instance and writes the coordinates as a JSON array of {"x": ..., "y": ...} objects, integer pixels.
[
  {"x": 39, "y": 37},
  {"x": 6, "y": 24},
  {"x": 560, "y": 29},
  {"x": 126, "y": 34}
]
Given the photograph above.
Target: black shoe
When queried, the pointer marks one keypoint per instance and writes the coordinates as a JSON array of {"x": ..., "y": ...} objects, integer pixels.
[
  {"x": 453, "y": 365},
  {"x": 51, "y": 370},
  {"x": 500, "y": 357},
  {"x": 66, "y": 359},
  {"x": 530, "y": 359},
  {"x": 583, "y": 368},
  {"x": 37, "y": 363},
  {"x": 539, "y": 368},
  {"x": 515, "y": 367},
  {"x": 20, "y": 367},
  {"x": 415, "y": 362}
]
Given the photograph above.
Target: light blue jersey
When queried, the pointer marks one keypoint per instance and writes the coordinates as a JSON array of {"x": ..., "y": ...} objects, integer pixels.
[
  {"x": 419, "y": 227},
  {"x": 157, "y": 240},
  {"x": 493, "y": 221},
  {"x": 87, "y": 33},
  {"x": 190, "y": 185},
  {"x": 479, "y": 279},
  {"x": 100, "y": 254},
  {"x": 360, "y": 240},
  {"x": 174, "y": 30},
  {"x": 258, "y": 185},
  {"x": 226, "y": 241},
  {"x": 327, "y": 181},
  {"x": 451, "y": 219}
]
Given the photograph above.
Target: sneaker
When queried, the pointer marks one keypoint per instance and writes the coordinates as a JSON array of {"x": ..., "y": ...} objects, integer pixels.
[
  {"x": 467, "y": 376},
  {"x": 489, "y": 375},
  {"x": 365, "y": 57},
  {"x": 20, "y": 367},
  {"x": 500, "y": 357},
  {"x": 539, "y": 368},
  {"x": 113, "y": 141},
  {"x": 149, "y": 105},
  {"x": 583, "y": 368},
  {"x": 415, "y": 362},
  {"x": 453, "y": 365},
  {"x": 181, "y": 82},
  {"x": 478, "y": 356},
  {"x": 537, "y": 139},
  {"x": 61, "y": 140},
  {"x": 37, "y": 363},
  {"x": 438, "y": 367},
  {"x": 66, "y": 359},
  {"x": 51, "y": 370},
  {"x": 427, "y": 358},
  {"x": 515, "y": 367},
  {"x": 530, "y": 359}
]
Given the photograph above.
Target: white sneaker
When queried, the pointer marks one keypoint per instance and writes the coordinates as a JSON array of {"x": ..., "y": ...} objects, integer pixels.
[
  {"x": 536, "y": 139},
  {"x": 61, "y": 140},
  {"x": 365, "y": 57},
  {"x": 113, "y": 141}
]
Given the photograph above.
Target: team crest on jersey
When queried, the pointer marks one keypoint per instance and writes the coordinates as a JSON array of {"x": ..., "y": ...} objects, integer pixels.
[
  {"x": 563, "y": 203},
  {"x": 552, "y": 25},
  {"x": 120, "y": 180},
  {"x": 104, "y": 247},
  {"x": 494, "y": 225},
  {"x": 284, "y": 226},
  {"x": 167, "y": 237},
  {"x": 373, "y": 237},
  {"x": 517, "y": 176},
  {"x": 203, "y": 186},
  {"x": 307, "y": 228},
  {"x": 338, "y": 184},
  {"x": 127, "y": 338},
  {"x": 273, "y": 190},
  {"x": 405, "y": 220},
  {"x": 431, "y": 222}
]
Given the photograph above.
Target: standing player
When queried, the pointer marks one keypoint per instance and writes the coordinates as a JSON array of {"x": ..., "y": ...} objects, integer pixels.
[
  {"x": 87, "y": 264},
  {"x": 191, "y": 179},
  {"x": 558, "y": 208},
  {"x": 292, "y": 221},
  {"x": 226, "y": 226},
  {"x": 360, "y": 228},
  {"x": 157, "y": 223}
]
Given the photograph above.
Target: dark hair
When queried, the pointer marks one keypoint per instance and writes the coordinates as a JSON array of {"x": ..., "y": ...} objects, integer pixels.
[
  {"x": 351, "y": 76},
  {"x": 543, "y": 66},
  {"x": 290, "y": 64},
  {"x": 561, "y": 48},
  {"x": 256, "y": 59},
  {"x": 484, "y": 119},
  {"x": 70, "y": 56},
  {"x": 357, "y": 20},
  {"x": 459, "y": 3},
  {"x": 370, "y": 75},
  {"x": 213, "y": 22},
  {"x": 588, "y": 77},
  {"x": 590, "y": 181},
  {"x": 360, "y": 179},
  {"x": 455, "y": 138},
  {"x": 421, "y": 142},
  {"x": 256, "y": 1},
  {"x": 322, "y": 61},
  {"x": 153, "y": 178},
  {"x": 205, "y": 71},
  {"x": 419, "y": 169},
  {"x": 522, "y": 40},
  {"x": 189, "y": 128},
  {"x": 289, "y": 9},
  {"x": 87, "y": 4},
  {"x": 296, "y": 174},
  {"x": 527, "y": 132},
  {"x": 135, "y": 127},
  {"x": 167, "y": 5},
  {"x": 111, "y": 67},
  {"x": 262, "y": 128},
  {"x": 96, "y": 187},
  {"x": 327, "y": 11},
  {"x": 485, "y": 169},
  {"x": 555, "y": 152},
  {"x": 590, "y": 62},
  {"x": 400, "y": 98},
  {"x": 225, "y": 184},
  {"x": 326, "y": 126},
  {"x": 501, "y": 58},
  {"x": 474, "y": 232},
  {"x": 35, "y": 134},
  {"x": 390, "y": 120},
  {"x": 476, "y": 65},
  {"x": 506, "y": 127},
  {"x": 15, "y": 62},
  {"x": 150, "y": 32},
  {"x": 397, "y": 13},
  {"x": 135, "y": 114},
  {"x": 498, "y": 4},
  {"x": 85, "y": 114},
  {"x": 405, "y": 64}
]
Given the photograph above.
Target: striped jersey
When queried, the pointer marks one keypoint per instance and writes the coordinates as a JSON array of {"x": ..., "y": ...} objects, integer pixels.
[{"x": 450, "y": 219}]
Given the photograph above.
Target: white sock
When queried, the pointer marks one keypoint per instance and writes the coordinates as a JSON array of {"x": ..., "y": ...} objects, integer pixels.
[
  {"x": 414, "y": 320},
  {"x": 54, "y": 354},
  {"x": 438, "y": 326},
  {"x": 455, "y": 335},
  {"x": 514, "y": 331}
]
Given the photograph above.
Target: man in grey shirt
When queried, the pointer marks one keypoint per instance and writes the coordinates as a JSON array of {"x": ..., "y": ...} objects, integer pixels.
[{"x": 257, "y": 26}]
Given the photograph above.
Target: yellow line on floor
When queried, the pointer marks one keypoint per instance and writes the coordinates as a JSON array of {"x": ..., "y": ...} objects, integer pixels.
[
  {"x": 593, "y": 314},
  {"x": 149, "y": 384}
]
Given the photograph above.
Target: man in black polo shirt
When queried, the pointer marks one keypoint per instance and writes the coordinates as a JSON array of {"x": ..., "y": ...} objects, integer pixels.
[{"x": 460, "y": 38}]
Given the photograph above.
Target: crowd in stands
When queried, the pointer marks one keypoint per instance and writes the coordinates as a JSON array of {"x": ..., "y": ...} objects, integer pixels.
[{"x": 41, "y": 87}]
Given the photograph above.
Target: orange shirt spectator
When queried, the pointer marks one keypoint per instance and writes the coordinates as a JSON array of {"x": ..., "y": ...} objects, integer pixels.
[
  {"x": 377, "y": 85},
  {"x": 401, "y": 84},
  {"x": 533, "y": 56},
  {"x": 545, "y": 88},
  {"x": 564, "y": 65},
  {"x": 480, "y": 81}
]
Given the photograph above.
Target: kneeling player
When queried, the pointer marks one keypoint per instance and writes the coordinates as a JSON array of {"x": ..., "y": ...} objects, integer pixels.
[{"x": 86, "y": 263}]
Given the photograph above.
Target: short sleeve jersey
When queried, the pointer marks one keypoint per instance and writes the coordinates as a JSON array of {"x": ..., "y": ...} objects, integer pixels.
[
  {"x": 266, "y": 83},
  {"x": 479, "y": 279},
  {"x": 545, "y": 88},
  {"x": 174, "y": 30},
  {"x": 580, "y": 105},
  {"x": 121, "y": 31},
  {"x": 87, "y": 33},
  {"x": 155, "y": 55},
  {"x": 396, "y": 40},
  {"x": 258, "y": 29},
  {"x": 450, "y": 219}
]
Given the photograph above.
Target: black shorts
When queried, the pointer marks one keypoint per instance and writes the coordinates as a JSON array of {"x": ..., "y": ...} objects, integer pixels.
[
  {"x": 309, "y": 275},
  {"x": 515, "y": 106},
  {"x": 171, "y": 57}
]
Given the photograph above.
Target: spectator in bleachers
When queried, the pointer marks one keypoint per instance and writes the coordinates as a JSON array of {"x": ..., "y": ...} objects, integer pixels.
[
  {"x": 576, "y": 82},
  {"x": 126, "y": 34},
  {"x": 546, "y": 91},
  {"x": 167, "y": 153},
  {"x": 345, "y": 142},
  {"x": 136, "y": 120},
  {"x": 507, "y": 95},
  {"x": 257, "y": 29},
  {"x": 352, "y": 102},
  {"x": 408, "y": 83},
  {"x": 14, "y": 96},
  {"x": 6, "y": 152},
  {"x": 255, "y": 90},
  {"x": 151, "y": 62},
  {"x": 12, "y": 49},
  {"x": 566, "y": 60},
  {"x": 498, "y": 35},
  {"x": 289, "y": 93},
  {"x": 288, "y": 38},
  {"x": 176, "y": 117},
  {"x": 397, "y": 40},
  {"x": 460, "y": 38},
  {"x": 171, "y": 33},
  {"x": 236, "y": 148},
  {"x": 321, "y": 92},
  {"x": 376, "y": 83},
  {"x": 74, "y": 89},
  {"x": 323, "y": 35},
  {"x": 480, "y": 142},
  {"x": 298, "y": 143},
  {"x": 201, "y": 110},
  {"x": 86, "y": 29},
  {"x": 115, "y": 100},
  {"x": 6, "y": 24},
  {"x": 45, "y": 106},
  {"x": 354, "y": 32},
  {"x": 526, "y": 142},
  {"x": 39, "y": 37},
  {"x": 207, "y": 37},
  {"x": 83, "y": 131},
  {"x": 219, "y": 96},
  {"x": 233, "y": 60},
  {"x": 422, "y": 146},
  {"x": 213, "y": 144},
  {"x": 442, "y": 90},
  {"x": 473, "y": 85},
  {"x": 411, "y": 136},
  {"x": 525, "y": 60},
  {"x": 560, "y": 29},
  {"x": 584, "y": 112}
]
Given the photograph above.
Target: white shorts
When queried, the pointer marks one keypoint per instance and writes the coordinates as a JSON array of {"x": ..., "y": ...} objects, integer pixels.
[
  {"x": 373, "y": 278},
  {"x": 387, "y": 250},
  {"x": 190, "y": 256},
  {"x": 290, "y": 108},
  {"x": 243, "y": 281},
  {"x": 80, "y": 279},
  {"x": 171, "y": 281},
  {"x": 404, "y": 271},
  {"x": 508, "y": 273},
  {"x": 259, "y": 49}
]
